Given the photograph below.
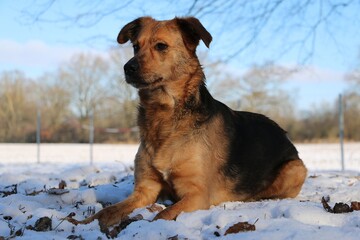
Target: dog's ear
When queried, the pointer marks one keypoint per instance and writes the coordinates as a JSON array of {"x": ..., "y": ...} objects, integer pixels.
[
  {"x": 192, "y": 31},
  {"x": 131, "y": 30}
]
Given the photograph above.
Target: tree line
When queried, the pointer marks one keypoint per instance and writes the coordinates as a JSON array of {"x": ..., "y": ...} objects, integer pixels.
[{"x": 93, "y": 85}]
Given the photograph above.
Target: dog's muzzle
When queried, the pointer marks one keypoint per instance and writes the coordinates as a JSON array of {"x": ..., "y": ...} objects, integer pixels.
[
  {"x": 132, "y": 73},
  {"x": 131, "y": 67}
]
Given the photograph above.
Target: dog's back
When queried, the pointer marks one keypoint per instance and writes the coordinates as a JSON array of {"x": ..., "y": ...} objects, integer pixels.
[{"x": 258, "y": 149}]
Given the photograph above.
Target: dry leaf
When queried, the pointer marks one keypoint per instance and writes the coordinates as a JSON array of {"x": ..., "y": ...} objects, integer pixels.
[
  {"x": 62, "y": 184},
  {"x": 355, "y": 206},
  {"x": 217, "y": 234},
  {"x": 176, "y": 237},
  {"x": 57, "y": 191},
  {"x": 75, "y": 237},
  {"x": 326, "y": 205},
  {"x": 124, "y": 223},
  {"x": 8, "y": 190},
  {"x": 338, "y": 208},
  {"x": 43, "y": 224},
  {"x": 240, "y": 227},
  {"x": 314, "y": 176},
  {"x": 342, "y": 208}
]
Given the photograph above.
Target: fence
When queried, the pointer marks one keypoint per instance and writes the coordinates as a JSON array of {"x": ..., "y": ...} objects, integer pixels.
[
  {"x": 316, "y": 156},
  {"x": 338, "y": 157}
]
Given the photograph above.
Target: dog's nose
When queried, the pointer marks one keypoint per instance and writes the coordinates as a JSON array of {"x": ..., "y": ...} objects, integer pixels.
[{"x": 131, "y": 67}]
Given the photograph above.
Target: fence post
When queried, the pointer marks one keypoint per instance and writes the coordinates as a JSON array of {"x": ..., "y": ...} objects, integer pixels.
[
  {"x": 38, "y": 135},
  {"x": 91, "y": 136},
  {"x": 341, "y": 131}
]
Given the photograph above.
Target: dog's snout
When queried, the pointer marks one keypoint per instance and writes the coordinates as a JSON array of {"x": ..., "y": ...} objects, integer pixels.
[{"x": 131, "y": 67}]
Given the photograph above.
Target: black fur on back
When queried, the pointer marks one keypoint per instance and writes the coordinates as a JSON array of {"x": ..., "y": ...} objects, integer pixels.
[{"x": 258, "y": 146}]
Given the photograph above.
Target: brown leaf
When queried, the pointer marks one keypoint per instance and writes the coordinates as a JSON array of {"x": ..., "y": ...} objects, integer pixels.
[
  {"x": 217, "y": 234},
  {"x": 57, "y": 191},
  {"x": 240, "y": 227},
  {"x": 124, "y": 223},
  {"x": 314, "y": 176},
  {"x": 338, "y": 208},
  {"x": 176, "y": 237},
  {"x": 326, "y": 205},
  {"x": 75, "y": 237},
  {"x": 342, "y": 208},
  {"x": 43, "y": 224},
  {"x": 7, "y": 218},
  {"x": 19, "y": 233},
  {"x": 8, "y": 190},
  {"x": 62, "y": 184},
  {"x": 34, "y": 193},
  {"x": 355, "y": 206}
]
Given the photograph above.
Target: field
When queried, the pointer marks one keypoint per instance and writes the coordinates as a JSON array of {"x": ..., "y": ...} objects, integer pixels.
[{"x": 26, "y": 202}]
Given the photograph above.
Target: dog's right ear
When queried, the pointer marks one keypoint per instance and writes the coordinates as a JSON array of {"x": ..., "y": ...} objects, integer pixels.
[
  {"x": 193, "y": 31},
  {"x": 131, "y": 30}
]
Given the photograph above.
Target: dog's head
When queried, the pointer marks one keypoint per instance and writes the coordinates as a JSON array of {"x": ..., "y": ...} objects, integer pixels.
[{"x": 163, "y": 50}]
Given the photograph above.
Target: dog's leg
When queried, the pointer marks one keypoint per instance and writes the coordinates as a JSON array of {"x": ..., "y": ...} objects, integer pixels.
[
  {"x": 148, "y": 186},
  {"x": 144, "y": 194},
  {"x": 288, "y": 182},
  {"x": 188, "y": 203},
  {"x": 190, "y": 187}
]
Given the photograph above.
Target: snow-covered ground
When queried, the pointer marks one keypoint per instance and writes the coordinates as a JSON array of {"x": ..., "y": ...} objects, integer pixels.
[{"x": 25, "y": 199}]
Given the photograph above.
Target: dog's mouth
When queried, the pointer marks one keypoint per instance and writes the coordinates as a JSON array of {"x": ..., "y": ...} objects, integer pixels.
[{"x": 140, "y": 83}]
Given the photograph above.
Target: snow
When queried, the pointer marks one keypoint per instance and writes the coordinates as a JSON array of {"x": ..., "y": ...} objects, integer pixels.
[{"x": 24, "y": 197}]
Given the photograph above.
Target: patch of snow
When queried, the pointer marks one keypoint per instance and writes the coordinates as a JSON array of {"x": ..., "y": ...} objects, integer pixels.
[{"x": 24, "y": 197}]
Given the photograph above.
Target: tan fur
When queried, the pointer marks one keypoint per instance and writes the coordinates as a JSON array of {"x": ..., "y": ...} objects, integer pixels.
[
  {"x": 288, "y": 183},
  {"x": 175, "y": 156}
]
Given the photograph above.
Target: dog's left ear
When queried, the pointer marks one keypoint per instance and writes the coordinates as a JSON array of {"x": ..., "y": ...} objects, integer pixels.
[
  {"x": 192, "y": 31},
  {"x": 131, "y": 30}
]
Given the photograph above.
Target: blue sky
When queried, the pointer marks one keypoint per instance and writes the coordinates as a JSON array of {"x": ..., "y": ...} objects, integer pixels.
[{"x": 39, "y": 47}]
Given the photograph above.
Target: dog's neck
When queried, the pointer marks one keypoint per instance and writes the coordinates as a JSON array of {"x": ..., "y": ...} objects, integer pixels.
[
  {"x": 175, "y": 95},
  {"x": 161, "y": 111}
]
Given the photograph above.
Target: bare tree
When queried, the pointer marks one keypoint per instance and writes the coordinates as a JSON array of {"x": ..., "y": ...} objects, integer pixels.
[
  {"x": 123, "y": 93},
  {"x": 53, "y": 101},
  {"x": 262, "y": 87},
  {"x": 86, "y": 77},
  {"x": 318, "y": 124},
  {"x": 353, "y": 79},
  {"x": 17, "y": 108},
  {"x": 284, "y": 25},
  {"x": 259, "y": 89},
  {"x": 352, "y": 105}
]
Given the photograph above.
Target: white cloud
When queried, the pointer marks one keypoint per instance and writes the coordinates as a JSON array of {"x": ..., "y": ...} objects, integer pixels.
[
  {"x": 35, "y": 53},
  {"x": 314, "y": 74}
]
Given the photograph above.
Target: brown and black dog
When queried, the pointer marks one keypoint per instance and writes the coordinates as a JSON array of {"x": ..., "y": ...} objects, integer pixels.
[{"x": 194, "y": 148}]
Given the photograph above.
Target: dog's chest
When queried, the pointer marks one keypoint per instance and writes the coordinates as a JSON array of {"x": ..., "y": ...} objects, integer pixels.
[
  {"x": 165, "y": 175},
  {"x": 163, "y": 164},
  {"x": 168, "y": 160},
  {"x": 168, "y": 138},
  {"x": 165, "y": 171}
]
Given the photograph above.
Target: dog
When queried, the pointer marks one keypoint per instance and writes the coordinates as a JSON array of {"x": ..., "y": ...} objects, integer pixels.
[{"x": 193, "y": 148}]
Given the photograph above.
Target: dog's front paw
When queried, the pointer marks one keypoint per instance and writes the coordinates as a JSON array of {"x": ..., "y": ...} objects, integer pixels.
[
  {"x": 166, "y": 214},
  {"x": 109, "y": 216}
]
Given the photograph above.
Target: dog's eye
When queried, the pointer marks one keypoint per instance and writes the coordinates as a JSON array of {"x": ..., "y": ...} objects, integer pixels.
[
  {"x": 136, "y": 48},
  {"x": 161, "y": 46}
]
